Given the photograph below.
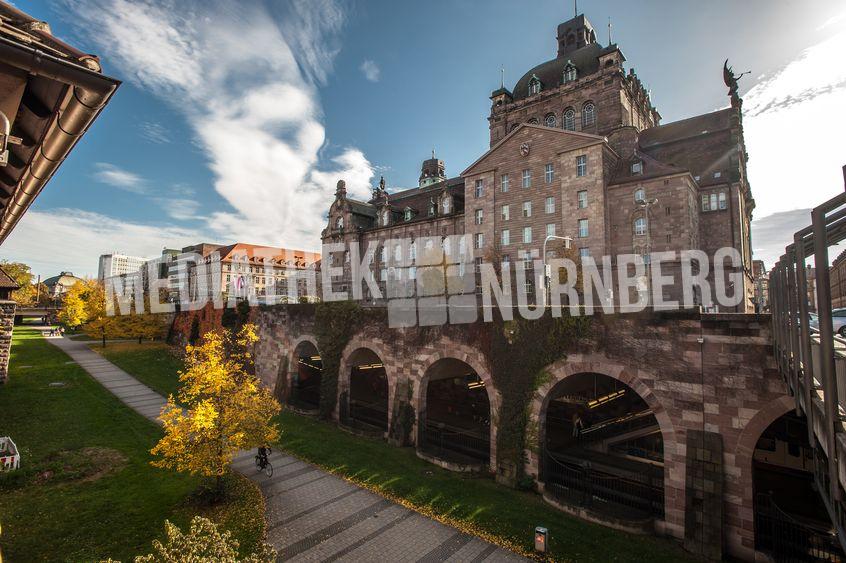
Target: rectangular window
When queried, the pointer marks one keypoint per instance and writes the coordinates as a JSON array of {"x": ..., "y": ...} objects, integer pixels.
[
  {"x": 527, "y": 178},
  {"x": 584, "y": 252},
  {"x": 705, "y": 206},
  {"x": 383, "y": 254},
  {"x": 723, "y": 203},
  {"x": 506, "y": 212},
  {"x": 583, "y": 228},
  {"x": 479, "y": 216},
  {"x": 549, "y": 173},
  {"x": 582, "y": 199},
  {"x": 479, "y": 241},
  {"x": 480, "y": 188},
  {"x": 527, "y": 209},
  {"x": 384, "y": 274},
  {"x": 503, "y": 183},
  {"x": 581, "y": 165},
  {"x": 550, "y": 230},
  {"x": 713, "y": 203},
  {"x": 506, "y": 237},
  {"x": 550, "y": 205},
  {"x": 527, "y": 235}
]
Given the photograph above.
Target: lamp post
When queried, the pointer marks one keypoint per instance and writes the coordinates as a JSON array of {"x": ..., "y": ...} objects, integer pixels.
[
  {"x": 645, "y": 204},
  {"x": 546, "y": 270}
]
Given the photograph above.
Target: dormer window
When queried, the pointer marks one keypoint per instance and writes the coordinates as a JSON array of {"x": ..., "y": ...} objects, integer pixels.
[
  {"x": 569, "y": 73},
  {"x": 534, "y": 86},
  {"x": 386, "y": 217},
  {"x": 339, "y": 224},
  {"x": 431, "y": 208},
  {"x": 637, "y": 167},
  {"x": 445, "y": 204}
]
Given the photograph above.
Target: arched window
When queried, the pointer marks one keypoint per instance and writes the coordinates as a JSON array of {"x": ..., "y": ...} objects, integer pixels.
[
  {"x": 533, "y": 121},
  {"x": 640, "y": 226},
  {"x": 514, "y": 126},
  {"x": 550, "y": 120},
  {"x": 570, "y": 119},
  {"x": 639, "y": 195},
  {"x": 534, "y": 86},
  {"x": 588, "y": 115}
]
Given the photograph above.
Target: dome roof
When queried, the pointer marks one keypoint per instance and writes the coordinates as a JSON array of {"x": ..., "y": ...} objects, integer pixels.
[{"x": 551, "y": 73}]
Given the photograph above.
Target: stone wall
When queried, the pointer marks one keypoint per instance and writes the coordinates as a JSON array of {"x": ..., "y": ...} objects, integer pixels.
[
  {"x": 7, "y": 322},
  {"x": 708, "y": 374}
]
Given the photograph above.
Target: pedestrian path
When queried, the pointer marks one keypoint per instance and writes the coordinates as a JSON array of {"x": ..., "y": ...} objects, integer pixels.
[{"x": 313, "y": 515}]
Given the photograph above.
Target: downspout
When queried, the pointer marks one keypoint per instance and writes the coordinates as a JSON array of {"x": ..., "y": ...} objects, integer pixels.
[{"x": 88, "y": 94}]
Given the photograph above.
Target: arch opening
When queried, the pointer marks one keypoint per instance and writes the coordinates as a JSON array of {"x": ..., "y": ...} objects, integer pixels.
[
  {"x": 305, "y": 385},
  {"x": 791, "y": 520},
  {"x": 456, "y": 423},
  {"x": 368, "y": 391},
  {"x": 603, "y": 448}
]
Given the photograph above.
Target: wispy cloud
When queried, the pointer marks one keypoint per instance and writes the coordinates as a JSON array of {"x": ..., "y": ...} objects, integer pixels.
[
  {"x": 371, "y": 70},
  {"x": 119, "y": 178},
  {"x": 154, "y": 132},
  {"x": 41, "y": 240},
  {"x": 180, "y": 209},
  {"x": 252, "y": 104}
]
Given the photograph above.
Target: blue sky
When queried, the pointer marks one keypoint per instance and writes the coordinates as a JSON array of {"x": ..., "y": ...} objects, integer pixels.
[{"x": 236, "y": 119}]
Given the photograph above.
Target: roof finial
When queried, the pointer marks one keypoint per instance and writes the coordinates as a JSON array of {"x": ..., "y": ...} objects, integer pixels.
[
  {"x": 609, "y": 31},
  {"x": 576, "y": 8},
  {"x": 433, "y": 154},
  {"x": 502, "y": 76}
]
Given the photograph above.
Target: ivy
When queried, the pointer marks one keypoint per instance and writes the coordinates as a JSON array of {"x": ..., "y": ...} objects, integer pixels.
[
  {"x": 334, "y": 325},
  {"x": 519, "y": 352}
]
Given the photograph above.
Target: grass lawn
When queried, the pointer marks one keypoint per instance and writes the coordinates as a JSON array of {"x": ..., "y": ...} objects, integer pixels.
[
  {"x": 153, "y": 363},
  {"x": 85, "y": 489},
  {"x": 476, "y": 504}
]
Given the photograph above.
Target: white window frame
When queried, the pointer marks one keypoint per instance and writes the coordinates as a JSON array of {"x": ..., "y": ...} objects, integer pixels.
[
  {"x": 581, "y": 165},
  {"x": 506, "y": 212},
  {"x": 527, "y": 235},
  {"x": 527, "y": 209},
  {"x": 549, "y": 172},
  {"x": 503, "y": 183},
  {"x": 569, "y": 119},
  {"x": 584, "y": 232},
  {"x": 723, "y": 201},
  {"x": 479, "y": 240},
  {"x": 642, "y": 195},
  {"x": 639, "y": 226},
  {"x": 505, "y": 237},
  {"x": 549, "y": 205},
  {"x": 550, "y": 229},
  {"x": 527, "y": 178},
  {"x": 480, "y": 188},
  {"x": 581, "y": 199},
  {"x": 479, "y": 216}
]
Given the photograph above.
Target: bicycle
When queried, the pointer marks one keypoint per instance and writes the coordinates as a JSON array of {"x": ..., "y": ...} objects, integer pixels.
[{"x": 263, "y": 464}]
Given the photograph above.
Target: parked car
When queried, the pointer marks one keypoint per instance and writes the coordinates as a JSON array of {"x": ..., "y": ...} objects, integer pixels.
[{"x": 838, "y": 321}]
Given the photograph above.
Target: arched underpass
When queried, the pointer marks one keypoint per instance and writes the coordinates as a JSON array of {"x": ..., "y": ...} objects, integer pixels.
[
  {"x": 368, "y": 391},
  {"x": 791, "y": 521},
  {"x": 305, "y": 384},
  {"x": 603, "y": 450},
  {"x": 456, "y": 424}
]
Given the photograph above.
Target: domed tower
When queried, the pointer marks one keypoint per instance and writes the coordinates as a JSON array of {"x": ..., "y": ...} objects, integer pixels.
[
  {"x": 584, "y": 88},
  {"x": 432, "y": 171}
]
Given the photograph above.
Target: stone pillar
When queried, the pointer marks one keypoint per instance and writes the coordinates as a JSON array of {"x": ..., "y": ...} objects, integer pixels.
[
  {"x": 7, "y": 322},
  {"x": 703, "y": 533}
]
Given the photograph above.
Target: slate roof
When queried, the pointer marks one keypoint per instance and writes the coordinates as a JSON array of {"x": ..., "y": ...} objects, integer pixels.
[{"x": 551, "y": 73}]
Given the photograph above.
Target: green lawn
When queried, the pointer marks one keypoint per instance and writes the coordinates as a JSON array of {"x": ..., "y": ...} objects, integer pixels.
[
  {"x": 85, "y": 489},
  {"x": 153, "y": 363},
  {"x": 474, "y": 503}
]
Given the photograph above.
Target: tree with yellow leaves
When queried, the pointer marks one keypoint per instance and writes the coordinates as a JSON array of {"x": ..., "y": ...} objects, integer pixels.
[
  {"x": 80, "y": 303},
  {"x": 220, "y": 410}
]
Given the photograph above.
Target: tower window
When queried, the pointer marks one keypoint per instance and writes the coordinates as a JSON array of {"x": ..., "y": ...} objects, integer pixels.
[
  {"x": 588, "y": 115},
  {"x": 570, "y": 119},
  {"x": 550, "y": 120}
]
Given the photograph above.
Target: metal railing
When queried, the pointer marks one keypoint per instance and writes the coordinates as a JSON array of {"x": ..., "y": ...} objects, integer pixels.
[
  {"x": 581, "y": 484},
  {"x": 371, "y": 414},
  {"x": 785, "y": 538},
  {"x": 813, "y": 363},
  {"x": 442, "y": 440}
]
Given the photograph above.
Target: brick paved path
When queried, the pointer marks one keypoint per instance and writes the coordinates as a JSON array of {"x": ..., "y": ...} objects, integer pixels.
[{"x": 313, "y": 515}]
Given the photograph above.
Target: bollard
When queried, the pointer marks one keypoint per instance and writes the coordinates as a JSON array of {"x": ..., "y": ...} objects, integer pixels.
[{"x": 541, "y": 535}]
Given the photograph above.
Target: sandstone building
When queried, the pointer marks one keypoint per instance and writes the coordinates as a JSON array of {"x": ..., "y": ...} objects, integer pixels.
[{"x": 576, "y": 150}]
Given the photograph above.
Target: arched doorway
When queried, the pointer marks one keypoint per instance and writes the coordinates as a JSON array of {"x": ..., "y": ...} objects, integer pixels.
[
  {"x": 602, "y": 449},
  {"x": 791, "y": 521},
  {"x": 368, "y": 391},
  {"x": 455, "y": 425},
  {"x": 305, "y": 384}
]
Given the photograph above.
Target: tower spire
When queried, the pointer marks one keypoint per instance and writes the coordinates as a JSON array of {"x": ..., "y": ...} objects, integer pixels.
[
  {"x": 575, "y": 8},
  {"x": 609, "y": 31},
  {"x": 502, "y": 76}
]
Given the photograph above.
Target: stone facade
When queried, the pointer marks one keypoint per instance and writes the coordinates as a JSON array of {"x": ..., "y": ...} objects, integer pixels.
[
  {"x": 706, "y": 373},
  {"x": 7, "y": 323}
]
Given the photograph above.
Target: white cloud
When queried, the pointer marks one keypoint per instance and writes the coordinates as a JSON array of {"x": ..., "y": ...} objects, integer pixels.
[
  {"x": 154, "y": 132},
  {"x": 371, "y": 70},
  {"x": 73, "y": 239},
  {"x": 180, "y": 209},
  {"x": 119, "y": 178},
  {"x": 793, "y": 124},
  {"x": 252, "y": 103}
]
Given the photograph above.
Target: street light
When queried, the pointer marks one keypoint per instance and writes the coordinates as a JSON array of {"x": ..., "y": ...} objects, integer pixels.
[{"x": 546, "y": 269}]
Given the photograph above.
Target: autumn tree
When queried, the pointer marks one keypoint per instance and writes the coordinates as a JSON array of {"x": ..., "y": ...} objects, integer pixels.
[
  {"x": 31, "y": 292},
  {"x": 203, "y": 542},
  {"x": 81, "y": 303},
  {"x": 220, "y": 410}
]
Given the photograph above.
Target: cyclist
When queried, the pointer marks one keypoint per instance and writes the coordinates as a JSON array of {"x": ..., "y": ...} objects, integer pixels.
[{"x": 263, "y": 452}]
